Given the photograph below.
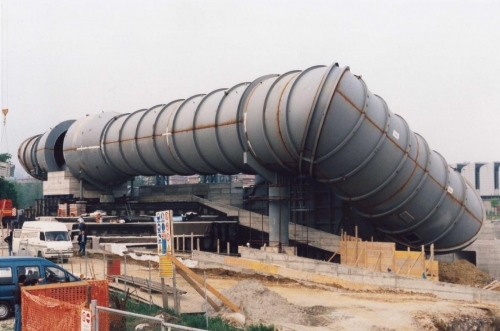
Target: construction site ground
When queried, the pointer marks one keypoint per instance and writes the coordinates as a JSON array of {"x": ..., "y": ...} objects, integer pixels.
[
  {"x": 306, "y": 306},
  {"x": 293, "y": 305}
]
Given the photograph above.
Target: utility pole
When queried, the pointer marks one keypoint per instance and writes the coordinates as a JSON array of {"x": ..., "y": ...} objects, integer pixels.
[{"x": 5, "y": 91}]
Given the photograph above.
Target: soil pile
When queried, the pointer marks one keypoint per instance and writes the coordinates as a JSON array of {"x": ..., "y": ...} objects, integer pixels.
[
  {"x": 261, "y": 305},
  {"x": 463, "y": 272}
]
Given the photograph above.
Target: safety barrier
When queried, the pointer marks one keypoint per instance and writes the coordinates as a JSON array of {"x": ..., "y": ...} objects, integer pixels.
[{"x": 62, "y": 306}]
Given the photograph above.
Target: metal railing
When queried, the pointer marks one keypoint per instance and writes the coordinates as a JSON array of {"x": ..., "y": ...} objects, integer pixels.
[{"x": 164, "y": 325}]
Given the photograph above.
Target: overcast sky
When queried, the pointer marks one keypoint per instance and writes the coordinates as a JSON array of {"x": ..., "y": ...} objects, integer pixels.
[{"x": 436, "y": 63}]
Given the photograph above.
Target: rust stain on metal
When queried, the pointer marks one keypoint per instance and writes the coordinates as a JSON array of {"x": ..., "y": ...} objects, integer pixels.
[
  {"x": 404, "y": 184},
  {"x": 453, "y": 198},
  {"x": 44, "y": 149},
  {"x": 207, "y": 126},
  {"x": 280, "y": 134}
]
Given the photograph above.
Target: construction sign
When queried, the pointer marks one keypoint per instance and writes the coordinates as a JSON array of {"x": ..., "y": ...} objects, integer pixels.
[
  {"x": 164, "y": 237},
  {"x": 85, "y": 320},
  {"x": 163, "y": 221}
]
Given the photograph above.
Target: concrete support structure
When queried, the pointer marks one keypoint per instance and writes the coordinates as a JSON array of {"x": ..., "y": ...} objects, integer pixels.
[{"x": 279, "y": 215}]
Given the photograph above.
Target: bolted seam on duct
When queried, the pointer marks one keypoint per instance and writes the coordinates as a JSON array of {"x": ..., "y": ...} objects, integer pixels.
[{"x": 322, "y": 122}]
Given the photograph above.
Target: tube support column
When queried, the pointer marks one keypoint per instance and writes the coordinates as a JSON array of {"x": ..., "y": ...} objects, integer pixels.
[{"x": 279, "y": 215}]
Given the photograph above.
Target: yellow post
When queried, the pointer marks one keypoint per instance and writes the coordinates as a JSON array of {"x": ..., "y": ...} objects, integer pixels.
[{"x": 409, "y": 264}]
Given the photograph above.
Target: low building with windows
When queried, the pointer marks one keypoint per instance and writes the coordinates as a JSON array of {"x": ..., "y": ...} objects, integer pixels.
[{"x": 6, "y": 170}]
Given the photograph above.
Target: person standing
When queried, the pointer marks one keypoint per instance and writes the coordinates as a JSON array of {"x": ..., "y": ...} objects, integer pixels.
[
  {"x": 81, "y": 224},
  {"x": 82, "y": 241},
  {"x": 17, "y": 302},
  {"x": 8, "y": 240}
]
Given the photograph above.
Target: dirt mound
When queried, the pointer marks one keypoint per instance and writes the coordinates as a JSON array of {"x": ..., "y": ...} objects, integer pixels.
[
  {"x": 227, "y": 274},
  {"x": 464, "y": 273},
  {"x": 261, "y": 305}
]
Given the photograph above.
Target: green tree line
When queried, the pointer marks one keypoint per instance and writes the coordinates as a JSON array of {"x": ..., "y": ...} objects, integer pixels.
[{"x": 23, "y": 195}]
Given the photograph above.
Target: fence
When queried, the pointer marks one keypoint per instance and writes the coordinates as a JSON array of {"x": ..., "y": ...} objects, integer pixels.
[
  {"x": 124, "y": 320},
  {"x": 140, "y": 281},
  {"x": 60, "y": 306},
  {"x": 381, "y": 256}
]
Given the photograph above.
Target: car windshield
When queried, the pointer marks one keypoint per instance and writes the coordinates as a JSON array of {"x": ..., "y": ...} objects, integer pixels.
[{"x": 56, "y": 236}]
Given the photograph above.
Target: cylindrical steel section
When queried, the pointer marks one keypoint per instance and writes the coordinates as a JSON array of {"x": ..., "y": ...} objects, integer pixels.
[
  {"x": 26, "y": 154},
  {"x": 322, "y": 122},
  {"x": 205, "y": 134},
  {"x": 347, "y": 137},
  {"x": 182, "y": 145},
  {"x": 49, "y": 151},
  {"x": 84, "y": 150}
]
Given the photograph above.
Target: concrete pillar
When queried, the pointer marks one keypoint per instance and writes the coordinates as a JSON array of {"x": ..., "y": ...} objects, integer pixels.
[{"x": 279, "y": 215}]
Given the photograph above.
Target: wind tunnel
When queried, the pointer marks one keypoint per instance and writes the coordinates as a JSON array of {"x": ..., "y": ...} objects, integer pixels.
[
  {"x": 322, "y": 122},
  {"x": 41, "y": 154}
]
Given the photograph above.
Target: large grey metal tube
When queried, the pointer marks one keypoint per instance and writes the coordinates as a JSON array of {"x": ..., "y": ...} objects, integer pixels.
[
  {"x": 26, "y": 154},
  {"x": 322, "y": 122}
]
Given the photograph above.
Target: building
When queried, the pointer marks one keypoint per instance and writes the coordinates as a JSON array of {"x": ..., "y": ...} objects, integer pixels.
[
  {"x": 484, "y": 177},
  {"x": 6, "y": 170}
]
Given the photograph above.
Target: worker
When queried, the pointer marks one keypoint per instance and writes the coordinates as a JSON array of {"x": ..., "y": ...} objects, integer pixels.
[
  {"x": 81, "y": 224},
  {"x": 82, "y": 241},
  {"x": 17, "y": 302},
  {"x": 8, "y": 240}
]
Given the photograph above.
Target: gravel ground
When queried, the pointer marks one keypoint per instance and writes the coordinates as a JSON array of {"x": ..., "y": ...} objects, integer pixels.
[{"x": 7, "y": 325}]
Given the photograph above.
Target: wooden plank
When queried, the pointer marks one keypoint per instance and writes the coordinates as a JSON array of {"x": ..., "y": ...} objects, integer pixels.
[
  {"x": 131, "y": 295},
  {"x": 331, "y": 257},
  {"x": 198, "y": 289},
  {"x": 164, "y": 295},
  {"x": 197, "y": 278},
  {"x": 138, "y": 281}
]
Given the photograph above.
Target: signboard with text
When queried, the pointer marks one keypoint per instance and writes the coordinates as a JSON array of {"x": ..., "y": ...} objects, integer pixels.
[
  {"x": 164, "y": 237},
  {"x": 163, "y": 221},
  {"x": 85, "y": 321}
]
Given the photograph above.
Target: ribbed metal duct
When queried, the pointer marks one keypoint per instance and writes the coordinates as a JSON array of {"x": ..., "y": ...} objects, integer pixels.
[
  {"x": 322, "y": 122},
  {"x": 49, "y": 149},
  {"x": 26, "y": 154}
]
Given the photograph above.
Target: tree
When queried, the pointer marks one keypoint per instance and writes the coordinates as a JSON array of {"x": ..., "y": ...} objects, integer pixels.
[
  {"x": 494, "y": 204},
  {"x": 28, "y": 193},
  {"x": 5, "y": 157},
  {"x": 8, "y": 191}
]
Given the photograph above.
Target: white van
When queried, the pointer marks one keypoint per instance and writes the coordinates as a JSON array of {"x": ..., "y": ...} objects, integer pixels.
[{"x": 42, "y": 239}]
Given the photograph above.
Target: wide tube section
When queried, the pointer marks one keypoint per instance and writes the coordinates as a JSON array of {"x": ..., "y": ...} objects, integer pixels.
[{"x": 322, "y": 122}]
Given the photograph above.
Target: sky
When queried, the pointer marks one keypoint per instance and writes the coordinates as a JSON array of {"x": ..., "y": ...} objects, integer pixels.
[{"x": 435, "y": 63}]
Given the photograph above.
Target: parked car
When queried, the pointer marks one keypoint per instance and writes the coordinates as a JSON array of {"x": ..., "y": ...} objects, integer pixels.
[{"x": 11, "y": 267}]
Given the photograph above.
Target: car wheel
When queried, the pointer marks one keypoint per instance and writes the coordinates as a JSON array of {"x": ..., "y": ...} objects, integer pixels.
[
  {"x": 40, "y": 254},
  {"x": 4, "y": 310}
]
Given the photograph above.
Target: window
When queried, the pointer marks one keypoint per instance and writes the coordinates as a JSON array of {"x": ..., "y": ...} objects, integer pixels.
[
  {"x": 72, "y": 278},
  {"x": 31, "y": 272},
  {"x": 5, "y": 275},
  {"x": 42, "y": 236},
  {"x": 57, "y": 236},
  {"x": 55, "y": 275}
]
